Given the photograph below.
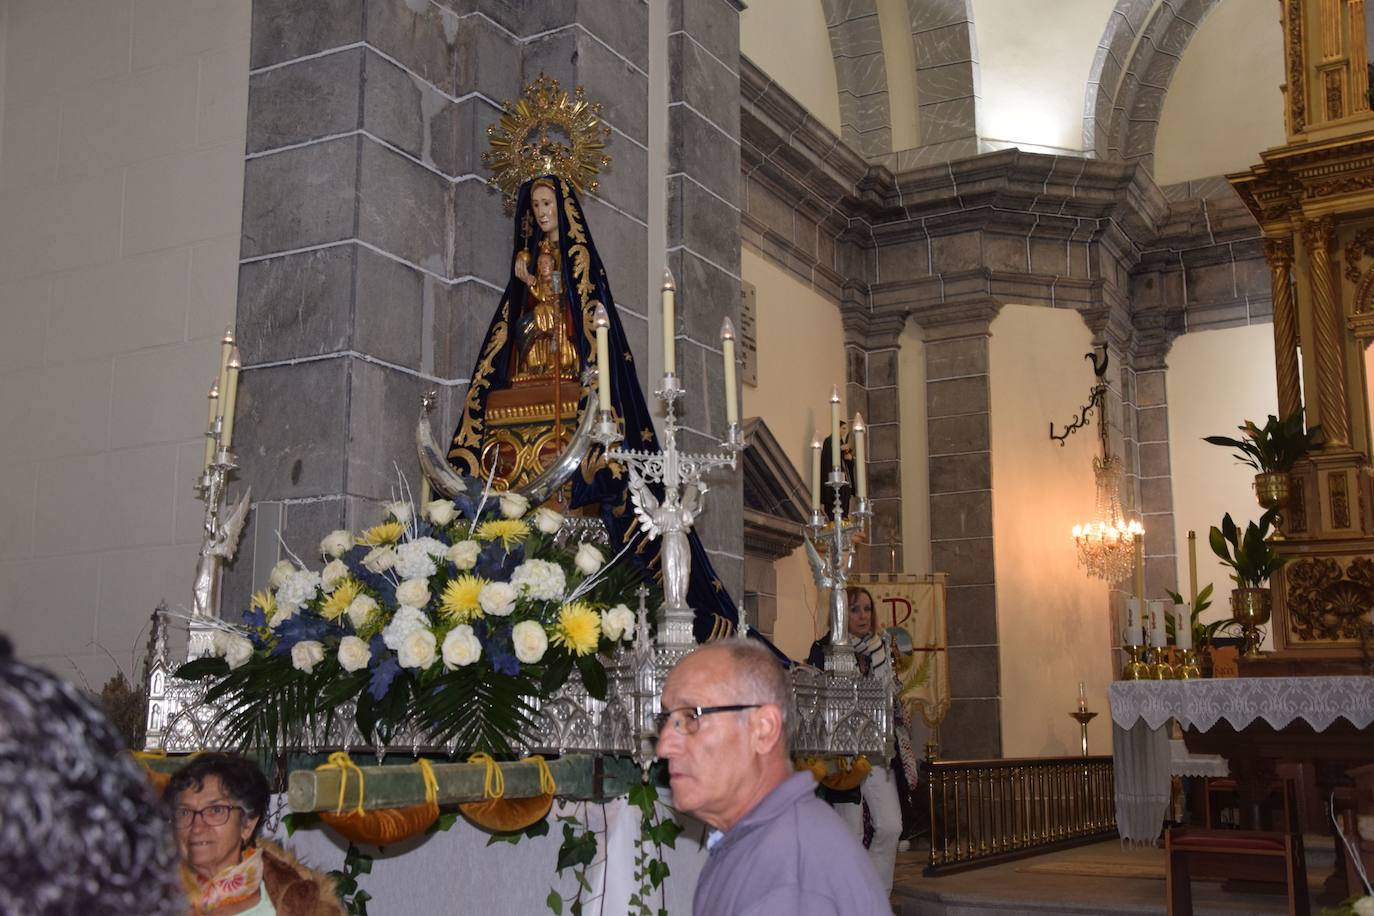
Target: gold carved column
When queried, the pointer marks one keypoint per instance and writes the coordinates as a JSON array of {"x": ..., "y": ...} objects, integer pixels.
[
  {"x": 1330, "y": 367},
  {"x": 1278, "y": 252}
]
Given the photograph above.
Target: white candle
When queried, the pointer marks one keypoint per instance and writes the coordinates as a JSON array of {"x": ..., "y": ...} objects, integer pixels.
[
  {"x": 1183, "y": 626},
  {"x": 1133, "y": 634},
  {"x": 669, "y": 322},
  {"x": 230, "y": 400},
  {"x": 1159, "y": 635},
  {"x": 1192, "y": 568},
  {"x": 727, "y": 346},
  {"x": 860, "y": 466},
  {"x": 835, "y": 427},
  {"x": 210, "y": 424},
  {"x": 1082, "y": 696},
  {"x": 602, "y": 321},
  {"x": 815, "y": 473},
  {"x": 226, "y": 346}
]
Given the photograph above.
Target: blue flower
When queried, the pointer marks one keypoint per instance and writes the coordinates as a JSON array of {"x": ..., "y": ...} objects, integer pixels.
[
  {"x": 298, "y": 628},
  {"x": 384, "y": 668},
  {"x": 496, "y": 563},
  {"x": 497, "y": 647}
]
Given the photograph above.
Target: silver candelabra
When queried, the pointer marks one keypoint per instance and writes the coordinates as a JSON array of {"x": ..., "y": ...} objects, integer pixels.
[
  {"x": 219, "y": 538},
  {"x": 830, "y": 549},
  {"x": 671, "y": 517}
]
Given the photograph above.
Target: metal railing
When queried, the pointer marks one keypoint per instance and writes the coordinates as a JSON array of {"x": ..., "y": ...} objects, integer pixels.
[{"x": 986, "y": 811}]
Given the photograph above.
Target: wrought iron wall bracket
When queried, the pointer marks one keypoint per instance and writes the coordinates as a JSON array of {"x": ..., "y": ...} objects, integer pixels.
[{"x": 1094, "y": 400}]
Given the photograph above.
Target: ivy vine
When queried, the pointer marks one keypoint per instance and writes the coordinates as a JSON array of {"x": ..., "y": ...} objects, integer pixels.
[
  {"x": 576, "y": 852},
  {"x": 656, "y": 830}
]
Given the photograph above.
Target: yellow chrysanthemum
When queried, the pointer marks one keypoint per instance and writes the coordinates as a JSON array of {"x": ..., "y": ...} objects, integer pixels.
[
  {"x": 459, "y": 601},
  {"x": 578, "y": 628},
  {"x": 509, "y": 531},
  {"x": 336, "y": 604},
  {"x": 266, "y": 602},
  {"x": 385, "y": 533}
]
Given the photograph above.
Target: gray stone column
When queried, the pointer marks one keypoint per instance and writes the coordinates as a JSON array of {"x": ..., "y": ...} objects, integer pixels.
[
  {"x": 1156, "y": 481},
  {"x": 961, "y": 542},
  {"x": 703, "y": 181}
]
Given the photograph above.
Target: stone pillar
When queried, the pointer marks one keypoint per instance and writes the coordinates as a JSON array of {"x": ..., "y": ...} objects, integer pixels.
[
  {"x": 961, "y": 542},
  {"x": 703, "y": 216},
  {"x": 1155, "y": 480}
]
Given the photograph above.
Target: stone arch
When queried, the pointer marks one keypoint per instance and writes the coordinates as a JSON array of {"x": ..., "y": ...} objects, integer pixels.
[
  {"x": 856, "y": 42},
  {"x": 1121, "y": 111}
]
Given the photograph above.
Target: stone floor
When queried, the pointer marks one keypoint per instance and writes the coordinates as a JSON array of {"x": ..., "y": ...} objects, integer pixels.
[{"x": 1045, "y": 884}]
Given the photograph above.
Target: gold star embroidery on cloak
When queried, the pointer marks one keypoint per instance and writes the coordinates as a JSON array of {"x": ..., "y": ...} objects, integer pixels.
[
  {"x": 716, "y": 584},
  {"x": 628, "y": 357},
  {"x": 646, "y": 434}
]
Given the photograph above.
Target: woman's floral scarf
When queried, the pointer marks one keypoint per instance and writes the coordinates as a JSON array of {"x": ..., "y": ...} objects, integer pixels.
[{"x": 234, "y": 884}]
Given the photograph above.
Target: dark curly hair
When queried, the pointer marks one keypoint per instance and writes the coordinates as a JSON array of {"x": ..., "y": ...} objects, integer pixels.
[
  {"x": 81, "y": 832},
  {"x": 242, "y": 779}
]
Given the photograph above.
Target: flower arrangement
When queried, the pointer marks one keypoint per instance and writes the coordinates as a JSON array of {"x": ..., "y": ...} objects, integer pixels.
[{"x": 452, "y": 620}]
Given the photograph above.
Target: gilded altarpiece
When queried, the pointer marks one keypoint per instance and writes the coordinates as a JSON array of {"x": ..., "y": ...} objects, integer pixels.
[{"x": 1314, "y": 199}]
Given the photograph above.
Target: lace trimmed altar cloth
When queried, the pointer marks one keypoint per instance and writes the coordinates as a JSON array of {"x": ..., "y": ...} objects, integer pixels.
[{"x": 1142, "y": 709}]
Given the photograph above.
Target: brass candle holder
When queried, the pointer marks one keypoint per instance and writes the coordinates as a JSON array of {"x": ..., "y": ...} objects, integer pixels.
[
  {"x": 1084, "y": 716},
  {"x": 1134, "y": 669},
  {"x": 1187, "y": 668},
  {"x": 1156, "y": 661}
]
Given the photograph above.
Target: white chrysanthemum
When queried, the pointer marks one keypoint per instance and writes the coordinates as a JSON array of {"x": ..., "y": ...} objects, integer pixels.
[
  {"x": 279, "y": 573},
  {"x": 588, "y": 559},
  {"x": 513, "y": 505},
  {"x": 336, "y": 543},
  {"x": 413, "y": 592},
  {"x": 461, "y": 647},
  {"x": 540, "y": 580},
  {"x": 618, "y": 623},
  {"x": 463, "y": 554},
  {"x": 235, "y": 649},
  {"x": 357, "y": 611},
  {"x": 413, "y": 560},
  {"x": 497, "y": 599},
  {"x": 333, "y": 573},
  {"x": 417, "y": 649},
  {"x": 354, "y": 654},
  {"x": 399, "y": 510},
  {"x": 441, "y": 511},
  {"x": 306, "y": 654},
  {"x": 547, "y": 520},
  {"x": 300, "y": 586},
  {"x": 531, "y": 642},
  {"x": 406, "y": 621}
]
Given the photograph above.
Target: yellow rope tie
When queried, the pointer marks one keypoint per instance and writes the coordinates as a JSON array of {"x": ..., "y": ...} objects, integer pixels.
[
  {"x": 546, "y": 784},
  {"x": 431, "y": 783},
  {"x": 343, "y": 763},
  {"x": 494, "y": 786}
]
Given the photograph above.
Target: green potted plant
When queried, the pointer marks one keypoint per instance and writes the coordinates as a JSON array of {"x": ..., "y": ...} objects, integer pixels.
[
  {"x": 1253, "y": 560},
  {"x": 1272, "y": 450}
]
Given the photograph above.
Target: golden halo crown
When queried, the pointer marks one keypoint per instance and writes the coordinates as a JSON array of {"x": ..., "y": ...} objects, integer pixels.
[{"x": 547, "y": 132}]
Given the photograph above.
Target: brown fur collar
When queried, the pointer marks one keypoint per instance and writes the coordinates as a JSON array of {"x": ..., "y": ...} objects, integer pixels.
[{"x": 294, "y": 889}]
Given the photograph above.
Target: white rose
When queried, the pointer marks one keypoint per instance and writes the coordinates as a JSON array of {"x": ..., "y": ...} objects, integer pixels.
[
  {"x": 405, "y": 621},
  {"x": 400, "y": 510},
  {"x": 513, "y": 505},
  {"x": 461, "y": 647},
  {"x": 235, "y": 649},
  {"x": 547, "y": 520},
  {"x": 441, "y": 512},
  {"x": 280, "y": 572},
  {"x": 588, "y": 559},
  {"x": 283, "y": 613},
  {"x": 333, "y": 573},
  {"x": 413, "y": 592},
  {"x": 357, "y": 611},
  {"x": 336, "y": 543},
  {"x": 379, "y": 559},
  {"x": 497, "y": 599},
  {"x": 417, "y": 650},
  {"x": 464, "y": 554},
  {"x": 306, "y": 654},
  {"x": 354, "y": 654},
  {"x": 531, "y": 642},
  {"x": 618, "y": 622},
  {"x": 1364, "y": 906}
]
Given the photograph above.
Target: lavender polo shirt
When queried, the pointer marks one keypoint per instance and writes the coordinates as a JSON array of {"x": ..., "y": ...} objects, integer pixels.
[{"x": 790, "y": 855}]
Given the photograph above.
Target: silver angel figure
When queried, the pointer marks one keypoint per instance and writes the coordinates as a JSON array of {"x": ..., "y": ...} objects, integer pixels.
[{"x": 671, "y": 519}]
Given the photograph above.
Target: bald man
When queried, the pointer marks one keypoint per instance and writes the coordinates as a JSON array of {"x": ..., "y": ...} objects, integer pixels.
[{"x": 726, "y": 730}]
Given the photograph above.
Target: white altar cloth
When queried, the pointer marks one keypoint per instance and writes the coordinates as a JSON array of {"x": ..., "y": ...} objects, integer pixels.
[{"x": 1141, "y": 710}]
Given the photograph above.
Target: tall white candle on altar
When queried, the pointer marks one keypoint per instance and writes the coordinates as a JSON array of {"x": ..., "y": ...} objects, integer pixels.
[
  {"x": 669, "y": 323},
  {"x": 602, "y": 321},
  {"x": 835, "y": 427},
  {"x": 1159, "y": 635},
  {"x": 226, "y": 346},
  {"x": 1183, "y": 626},
  {"x": 815, "y": 473},
  {"x": 210, "y": 424},
  {"x": 727, "y": 346},
  {"x": 1133, "y": 634},
  {"x": 860, "y": 466},
  {"x": 1192, "y": 568},
  {"x": 226, "y": 437}
]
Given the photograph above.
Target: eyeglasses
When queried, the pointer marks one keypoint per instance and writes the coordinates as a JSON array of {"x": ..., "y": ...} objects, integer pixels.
[
  {"x": 213, "y": 815},
  {"x": 687, "y": 719}
]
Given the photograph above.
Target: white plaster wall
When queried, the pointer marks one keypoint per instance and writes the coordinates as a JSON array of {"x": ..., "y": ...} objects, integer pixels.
[
  {"x": 915, "y": 446},
  {"x": 1224, "y": 105},
  {"x": 121, "y": 185},
  {"x": 1053, "y": 622},
  {"x": 796, "y": 371},
  {"x": 1034, "y": 59},
  {"x": 1216, "y": 379},
  {"x": 788, "y": 40}
]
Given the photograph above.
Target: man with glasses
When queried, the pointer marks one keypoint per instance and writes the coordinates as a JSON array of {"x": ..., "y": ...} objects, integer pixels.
[{"x": 726, "y": 731}]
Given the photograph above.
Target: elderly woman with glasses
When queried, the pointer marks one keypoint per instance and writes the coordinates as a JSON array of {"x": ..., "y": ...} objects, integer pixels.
[{"x": 218, "y": 802}]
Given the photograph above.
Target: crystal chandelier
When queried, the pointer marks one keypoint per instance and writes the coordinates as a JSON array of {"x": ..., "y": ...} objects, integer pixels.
[{"x": 1106, "y": 545}]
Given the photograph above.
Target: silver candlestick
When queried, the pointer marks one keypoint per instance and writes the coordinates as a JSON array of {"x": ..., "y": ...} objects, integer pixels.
[
  {"x": 219, "y": 540},
  {"x": 830, "y": 550},
  {"x": 682, "y": 476}
]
